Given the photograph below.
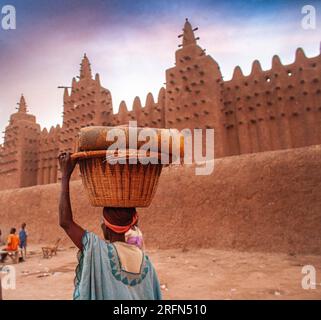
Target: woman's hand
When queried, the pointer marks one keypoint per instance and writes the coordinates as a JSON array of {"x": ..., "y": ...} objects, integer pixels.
[{"x": 67, "y": 165}]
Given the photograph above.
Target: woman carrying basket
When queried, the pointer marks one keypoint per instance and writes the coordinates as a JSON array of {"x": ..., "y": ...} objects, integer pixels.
[{"x": 114, "y": 268}]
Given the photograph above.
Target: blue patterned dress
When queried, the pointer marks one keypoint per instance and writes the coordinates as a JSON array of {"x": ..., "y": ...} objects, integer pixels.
[{"x": 99, "y": 274}]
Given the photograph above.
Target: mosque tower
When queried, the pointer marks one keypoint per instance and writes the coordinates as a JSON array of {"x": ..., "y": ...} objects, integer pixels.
[
  {"x": 19, "y": 152},
  {"x": 87, "y": 104},
  {"x": 193, "y": 88}
]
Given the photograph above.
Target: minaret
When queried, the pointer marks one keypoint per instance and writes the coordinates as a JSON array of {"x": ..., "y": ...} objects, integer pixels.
[
  {"x": 85, "y": 69},
  {"x": 22, "y": 105},
  {"x": 188, "y": 35},
  {"x": 193, "y": 88},
  {"x": 21, "y": 141},
  {"x": 86, "y": 104}
]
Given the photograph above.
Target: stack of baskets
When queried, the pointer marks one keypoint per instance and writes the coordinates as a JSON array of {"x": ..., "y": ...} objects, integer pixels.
[{"x": 110, "y": 183}]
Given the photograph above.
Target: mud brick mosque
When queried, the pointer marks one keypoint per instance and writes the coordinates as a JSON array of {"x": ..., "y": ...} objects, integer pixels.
[{"x": 274, "y": 109}]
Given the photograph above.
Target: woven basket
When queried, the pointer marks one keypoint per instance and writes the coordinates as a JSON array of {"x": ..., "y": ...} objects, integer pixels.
[{"x": 118, "y": 185}]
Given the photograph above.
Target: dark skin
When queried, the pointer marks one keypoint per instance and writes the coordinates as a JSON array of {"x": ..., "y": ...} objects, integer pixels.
[
  {"x": 66, "y": 221},
  {"x": 73, "y": 230}
]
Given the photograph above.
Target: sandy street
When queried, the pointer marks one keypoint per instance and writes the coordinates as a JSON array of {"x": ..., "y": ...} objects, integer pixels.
[{"x": 188, "y": 274}]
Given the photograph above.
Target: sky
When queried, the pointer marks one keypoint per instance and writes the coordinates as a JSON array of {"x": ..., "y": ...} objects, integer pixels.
[{"x": 131, "y": 44}]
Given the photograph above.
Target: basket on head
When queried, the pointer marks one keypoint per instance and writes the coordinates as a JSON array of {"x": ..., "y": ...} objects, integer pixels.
[{"x": 119, "y": 184}]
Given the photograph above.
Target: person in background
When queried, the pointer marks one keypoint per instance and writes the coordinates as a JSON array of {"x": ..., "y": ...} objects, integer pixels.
[
  {"x": 12, "y": 244},
  {"x": 113, "y": 268},
  {"x": 23, "y": 241}
]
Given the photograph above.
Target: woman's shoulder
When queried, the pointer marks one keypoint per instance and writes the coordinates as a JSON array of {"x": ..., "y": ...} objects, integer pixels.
[{"x": 92, "y": 239}]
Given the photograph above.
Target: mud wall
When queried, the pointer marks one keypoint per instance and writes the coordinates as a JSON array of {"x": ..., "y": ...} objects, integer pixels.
[{"x": 269, "y": 201}]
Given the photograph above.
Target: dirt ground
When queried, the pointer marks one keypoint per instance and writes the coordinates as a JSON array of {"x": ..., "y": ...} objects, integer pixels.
[{"x": 184, "y": 274}]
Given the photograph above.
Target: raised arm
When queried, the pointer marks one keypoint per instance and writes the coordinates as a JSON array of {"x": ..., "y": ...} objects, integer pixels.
[{"x": 73, "y": 230}]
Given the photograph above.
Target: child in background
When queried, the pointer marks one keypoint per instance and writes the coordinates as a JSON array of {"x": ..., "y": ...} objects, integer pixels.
[{"x": 23, "y": 241}]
